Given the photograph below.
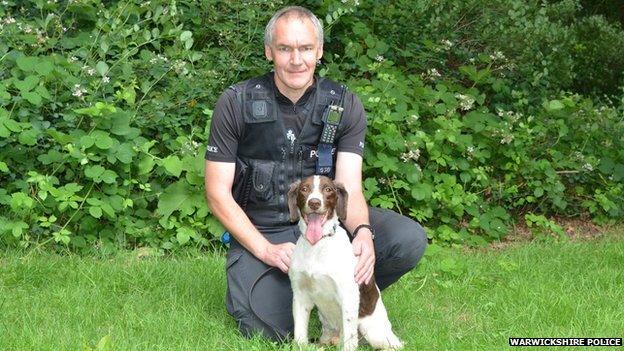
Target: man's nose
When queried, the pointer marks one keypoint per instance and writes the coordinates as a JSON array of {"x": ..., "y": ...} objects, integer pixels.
[
  {"x": 314, "y": 204},
  {"x": 295, "y": 57}
]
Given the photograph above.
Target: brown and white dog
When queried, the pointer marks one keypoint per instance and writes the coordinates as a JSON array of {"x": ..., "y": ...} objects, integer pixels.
[{"x": 322, "y": 272}]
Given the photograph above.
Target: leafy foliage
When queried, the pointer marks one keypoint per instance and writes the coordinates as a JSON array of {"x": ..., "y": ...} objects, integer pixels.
[
  {"x": 476, "y": 115},
  {"x": 468, "y": 128},
  {"x": 103, "y": 112}
]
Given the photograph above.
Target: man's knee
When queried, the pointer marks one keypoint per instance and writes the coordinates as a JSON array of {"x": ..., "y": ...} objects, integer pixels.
[
  {"x": 409, "y": 244},
  {"x": 250, "y": 325},
  {"x": 414, "y": 246}
]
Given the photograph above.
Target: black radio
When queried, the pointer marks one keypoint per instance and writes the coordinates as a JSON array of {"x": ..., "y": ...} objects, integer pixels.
[{"x": 331, "y": 119}]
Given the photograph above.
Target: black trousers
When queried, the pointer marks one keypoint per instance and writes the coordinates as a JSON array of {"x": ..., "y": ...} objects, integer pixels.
[{"x": 259, "y": 297}]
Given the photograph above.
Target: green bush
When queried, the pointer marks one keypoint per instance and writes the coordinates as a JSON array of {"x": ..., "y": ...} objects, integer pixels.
[
  {"x": 467, "y": 130},
  {"x": 599, "y": 56},
  {"x": 103, "y": 117},
  {"x": 105, "y": 108}
]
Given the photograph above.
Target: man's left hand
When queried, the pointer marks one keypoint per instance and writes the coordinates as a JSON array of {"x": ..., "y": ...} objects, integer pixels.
[{"x": 364, "y": 250}]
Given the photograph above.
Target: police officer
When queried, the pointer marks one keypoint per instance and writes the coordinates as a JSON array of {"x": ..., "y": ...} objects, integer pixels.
[{"x": 268, "y": 132}]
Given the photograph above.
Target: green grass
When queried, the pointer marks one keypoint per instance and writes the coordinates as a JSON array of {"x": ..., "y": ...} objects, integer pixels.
[{"x": 456, "y": 299}]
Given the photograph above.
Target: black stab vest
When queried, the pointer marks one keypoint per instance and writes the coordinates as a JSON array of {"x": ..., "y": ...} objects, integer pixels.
[{"x": 267, "y": 162}]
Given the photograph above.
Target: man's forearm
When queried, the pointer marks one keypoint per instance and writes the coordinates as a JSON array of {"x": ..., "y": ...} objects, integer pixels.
[
  {"x": 357, "y": 213},
  {"x": 234, "y": 219}
]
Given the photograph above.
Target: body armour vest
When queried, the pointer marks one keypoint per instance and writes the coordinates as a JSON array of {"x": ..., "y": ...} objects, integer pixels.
[{"x": 267, "y": 161}]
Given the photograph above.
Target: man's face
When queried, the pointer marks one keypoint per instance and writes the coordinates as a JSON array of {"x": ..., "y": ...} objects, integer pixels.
[{"x": 294, "y": 52}]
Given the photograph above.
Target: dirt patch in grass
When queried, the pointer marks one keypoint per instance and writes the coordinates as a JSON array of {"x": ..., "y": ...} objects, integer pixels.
[{"x": 577, "y": 229}]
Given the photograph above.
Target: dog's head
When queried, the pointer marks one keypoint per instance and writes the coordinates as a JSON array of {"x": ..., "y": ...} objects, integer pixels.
[{"x": 316, "y": 200}]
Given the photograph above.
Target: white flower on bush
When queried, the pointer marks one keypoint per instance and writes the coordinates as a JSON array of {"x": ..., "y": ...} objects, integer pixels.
[
  {"x": 588, "y": 167},
  {"x": 380, "y": 58},
  {"x": 447, "y": 44},
  {"x": 72, "y": 59},
  {"x": 497, "y": 55},
  {"x": 433, "y": 73},
  {"x": 470, "y": 149},
  {"x": 512, "y": 116},
  {"x": 178, "y": 64},
  {"x": 465, "y": 102},
  {"x": 105, "y": 79},
  {"x": 180, "y": 67},
  {"x": 41, "y": 38},
  {"x": 157, "y": 58},
  {"x": 192, "y": 146},
  {"x": 411, "y": 155},
  {"x": 507, "y": 139},
  {"x": 9, "y": 20},
  {"x": 78, "y": 90}
]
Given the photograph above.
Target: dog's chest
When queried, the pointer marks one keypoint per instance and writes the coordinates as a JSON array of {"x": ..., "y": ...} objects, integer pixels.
[
  {"x": 333, "y": 254},
  {"x": 324, "y": 269}
]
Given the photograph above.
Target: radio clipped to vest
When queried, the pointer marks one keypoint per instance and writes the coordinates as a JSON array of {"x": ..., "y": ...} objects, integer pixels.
[{"x": 331, "y": 120}]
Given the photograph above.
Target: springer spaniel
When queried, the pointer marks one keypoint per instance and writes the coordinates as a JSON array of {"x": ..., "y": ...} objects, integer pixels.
[{"x": 322, "y": 272}]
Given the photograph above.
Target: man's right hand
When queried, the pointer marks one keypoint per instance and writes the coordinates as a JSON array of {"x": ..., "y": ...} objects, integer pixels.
[
  {"x": 278, "y": 255},
  {"x": 218, "y": 180}
]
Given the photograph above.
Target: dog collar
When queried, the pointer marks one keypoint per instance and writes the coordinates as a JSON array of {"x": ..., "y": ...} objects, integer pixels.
[{"x": 333, "y": 231}]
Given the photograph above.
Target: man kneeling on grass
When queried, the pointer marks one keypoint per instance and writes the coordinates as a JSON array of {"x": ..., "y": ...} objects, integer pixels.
[{"x": 270, "y": 131}]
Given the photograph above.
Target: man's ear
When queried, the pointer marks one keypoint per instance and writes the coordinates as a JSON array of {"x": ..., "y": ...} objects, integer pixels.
[
  {"x": 268, "y": 53},
  {"x": 319, "y": 52}
]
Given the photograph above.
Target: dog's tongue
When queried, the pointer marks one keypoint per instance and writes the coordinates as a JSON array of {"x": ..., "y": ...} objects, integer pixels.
[{"x": 314, "y": 232}]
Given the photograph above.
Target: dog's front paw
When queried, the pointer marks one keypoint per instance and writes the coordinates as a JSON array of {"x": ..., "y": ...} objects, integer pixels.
[
  {"x": 301, "y": 341},
  {"x": 394, "y": 344},
  {"x": 330, "y": 340}
]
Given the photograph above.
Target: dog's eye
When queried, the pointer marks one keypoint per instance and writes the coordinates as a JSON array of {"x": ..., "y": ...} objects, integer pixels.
[
  {"x": 305, "y": 189},
  {"x": 328, "y": 190}
]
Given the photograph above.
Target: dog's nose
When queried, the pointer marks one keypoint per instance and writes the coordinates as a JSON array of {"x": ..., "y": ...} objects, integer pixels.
[{"x": 314, "y": 204}]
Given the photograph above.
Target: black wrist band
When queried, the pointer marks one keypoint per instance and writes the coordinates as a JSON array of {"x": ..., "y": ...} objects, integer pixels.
[{"x": 364, "y": 226}]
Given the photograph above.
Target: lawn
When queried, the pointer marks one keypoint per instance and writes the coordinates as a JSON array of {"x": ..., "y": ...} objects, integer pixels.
[{"x": 457, "y": 299}]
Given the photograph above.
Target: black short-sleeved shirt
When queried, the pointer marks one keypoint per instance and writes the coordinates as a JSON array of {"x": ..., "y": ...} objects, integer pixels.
[{"x": 228, "y": 123}]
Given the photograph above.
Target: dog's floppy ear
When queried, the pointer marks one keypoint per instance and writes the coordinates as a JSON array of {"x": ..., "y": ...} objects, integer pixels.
[
  {"x": 343, "y": 198},
  {"x": 292, "y": 201}
]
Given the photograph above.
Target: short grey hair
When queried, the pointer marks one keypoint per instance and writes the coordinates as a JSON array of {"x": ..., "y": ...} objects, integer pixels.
[{"x": 301, "y": 13}]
